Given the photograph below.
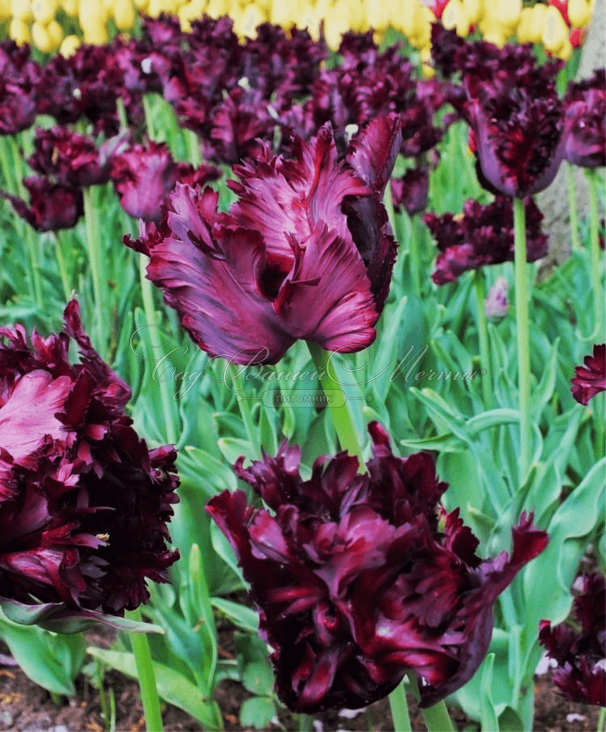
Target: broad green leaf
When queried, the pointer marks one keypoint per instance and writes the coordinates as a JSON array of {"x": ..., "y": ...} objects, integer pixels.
[
  {"x": 257, "y": 712},
  {"x": 241, "y": 615},
  {"x": 258, "y": 678},
  {"x": 492, "y": 418}
]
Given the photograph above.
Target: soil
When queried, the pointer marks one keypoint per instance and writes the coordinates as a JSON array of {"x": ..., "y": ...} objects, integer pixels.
[{"x": 25, "y": 707}]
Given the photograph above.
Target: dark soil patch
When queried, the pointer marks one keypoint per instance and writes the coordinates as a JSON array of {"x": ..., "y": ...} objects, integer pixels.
[{"x": 25, "y": 707}]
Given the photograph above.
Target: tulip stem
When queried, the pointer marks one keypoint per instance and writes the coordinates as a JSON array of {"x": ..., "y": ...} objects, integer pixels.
[
  {"x": 147, "y": 677},
  {"x": 399, "y": 709},
  {"x": 596, "y": 274},
  {"x": 305, "y": 723},
  {"x": 150, "y": 316},
  {"x": 436, "y": 718},
  {"x": 245, "y": 412},
  {"x": 341, "y": 417},
  {"x": 572, "y": 205},
  {"x": 480, "y": 291},
  {"x": 413, "y": 250},
  {"x": 521, "y": 272},
  {"x": 96, "y": 257},
  {"x": 192, "y": 142},
  {"x": 602, "y": 720},
  {"x": 67, "y": 290}
]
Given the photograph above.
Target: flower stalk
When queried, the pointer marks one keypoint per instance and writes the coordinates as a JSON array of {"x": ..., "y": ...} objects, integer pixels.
[
  {"x": 596, "y": 274},
  {"x": 96, "y": 257},
  {"x": 399, "y": 709},
  {"x": 437, "y": 718},
  {"x": 147, "y": 677},
  {"x": 573, "y": 209},
  {"x": 521, "y": 275},
  {"x": 480, "y": 290},
  {"x": 341, "y": 417}
]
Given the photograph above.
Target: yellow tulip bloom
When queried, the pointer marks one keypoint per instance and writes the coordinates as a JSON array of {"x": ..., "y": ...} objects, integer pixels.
[
  {"x": 579, "y": 12},
  {"x": 19, "y": 31},
  {"x": 69, "y": 46},
  {"x": 125, "y": 14},
  {"x": 22, "y": 10},
  {"x": 555, "y": 30}
]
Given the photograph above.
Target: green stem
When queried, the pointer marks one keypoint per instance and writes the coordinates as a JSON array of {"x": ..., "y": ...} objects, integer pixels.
[
  {"x": 436, "y": 718},
  {"x": 480, "y": 290},
  {"x": 150, "y": 317},
  {"x": 96, "y": 257},
  {"x": 65, "y": 280},
  {"x": 596, "y": 274},
  {"x": 399, "y": 709},
  {"x": 9, "y": 183},
  {"x": 415, "y": 259},
  {"x": 346, "y": 431},
  {"x": 602, "y": 720},
  {"x": 305, "y": 723},
  {"x": 521, "y": 271},
  {"x": 148, "y": 117},
  {"x": 243, "y": 403},
  {"x": 572, "y": 206},
  {"x": 147, "y": 677}
]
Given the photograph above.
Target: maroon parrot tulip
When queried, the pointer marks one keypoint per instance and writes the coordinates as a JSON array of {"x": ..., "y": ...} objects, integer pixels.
[
  {"x": 590, "y": 379},
  {"x": 359, "y": 578},
  {"x": 52, "y": 206},
  {"x": 83, "y": 503},
  {"x": 305, "y": 252},
  {"x": 586, "y": 106}
]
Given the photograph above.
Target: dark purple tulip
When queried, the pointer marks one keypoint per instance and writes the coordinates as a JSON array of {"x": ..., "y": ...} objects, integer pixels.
[
  {"x": 581, "y": 676},
  {"x": 360, "y": 578},
  {"x": 18, "y": 95},
  {"x": 305, "y": 252},
  {"x": 590, "y": 379},
  {"x": 69, "y": 158},
  {"x": 481, "y": 236},
  {"x": 411, "y": 191},
  {"x": 142, "y": 177},
  {"x": 52, "y": 206},
  {"x": 586, "y": 107},
  {"x": 513, "y": 108},
  {"x": 83, "y": 503}
]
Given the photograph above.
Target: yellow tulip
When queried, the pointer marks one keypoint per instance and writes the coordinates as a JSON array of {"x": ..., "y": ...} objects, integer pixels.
[
  {"x": 454, "y": 16},
  {"x": 524, "y": 29},
  {"x": 190, "y": 11},
  {"x": 247, "y": 19},
  {"x": 125, "y": 14},
  {"x": 5, "y": 10},
  {"x": 566, "y": 51},
  {"x": 428, "y": 70},
  {"x": 579, "y": 12},
  {"x": 19, "y": 31},
  {"x": 44, "y": 11},
  {"x": 217, "y": 8},
  {"x": 69, "y": 46},
  {"x": 537, "y": 22},
  {"x": 507, "y": 12},
  {"x": 142, "y": 5},
  {"x": 41, "y": 38},
  {"x": 421, "y": 33},
  {"x": 70, "y": 7},
  {"x": 378, "y": 14},
  {"x": 55, "y": 31},
  {"x": 336, "y": 22},
  {"x": 474, "y": 9},
  {"x": 22, "y": 10},
  {"x": 357, "y": 16},
  {"x": 285, "y": 14},
  {"x": 555, "y": 30}
]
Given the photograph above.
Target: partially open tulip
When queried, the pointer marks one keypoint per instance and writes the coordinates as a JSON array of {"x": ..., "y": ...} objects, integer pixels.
[
  {"x": 586, "y": 107},
  {"x": 590, "y": 379},
  {"x": 52, "y": 206}
]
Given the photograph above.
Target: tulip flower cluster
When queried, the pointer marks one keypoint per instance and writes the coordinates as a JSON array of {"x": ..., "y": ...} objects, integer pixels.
[
  {"x": 358, "y": 579},
  {"x": 559, "y": 25},
  {"x": 83, "y": 503}
]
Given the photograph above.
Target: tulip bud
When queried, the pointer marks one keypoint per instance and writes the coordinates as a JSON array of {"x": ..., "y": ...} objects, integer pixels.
[
  {"x": 524, "y": 30},
  {"x": 5, "y": 10},
  {"x": 508, "y": 13},
  {"x": 55, "y": 31},
  {"x": 555, "y": 30},
  {"x": 44, "y": 10},
  {"x": 22, "y": 10},
  {"x": 246, "y": 20},
  {"x": 218, "y": 8},
  {"x": 565, "y": 51},
  {"x": 579, "y": 13},
  {"x": 41, "y": 38},
  {"x": 124, "y": 14},
  {"x": 378, "y": 14},
  {"x": 141, "y": 5},
  {"x": 336, "y": 22},
  {"x": 496, "y": 302},
  {"x": 357, "y": 16},
  {"x": 69, "y": 46},
  {"x": 493, "y": 30},
  {"x": 474, "y": 9},
  {"x": 19, "y": 32},
  {"x": 455, "y": 17},
  {"x": 537, "y": 23}
]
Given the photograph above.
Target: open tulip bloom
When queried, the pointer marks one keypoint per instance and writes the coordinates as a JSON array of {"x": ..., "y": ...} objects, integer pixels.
[
  {"x": 305, "y": 252},
  {"x": 83, "y": 503},
  {"x": 361, "y": 578}
]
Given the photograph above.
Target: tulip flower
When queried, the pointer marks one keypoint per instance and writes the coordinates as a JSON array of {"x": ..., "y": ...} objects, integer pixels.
[
  {"x": 18, "y": 94},
  {"x": 52, "y": 207},
  {"x": 305, "y": 252},
  {"x": 482, "y": 235},
  {"x": 580, "y": 655},
  {"x": 496, "y": 301},
  {"x": 586, "y": 105},
  {"x": 83, "y": 504},
  {"x": 410, "y": 191},
  {"x": 590, "y": 379},
  {"x": 512, "y": 107},
  {"x": 71, "y": 159},
  {"x": 358, "y": 579}
]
